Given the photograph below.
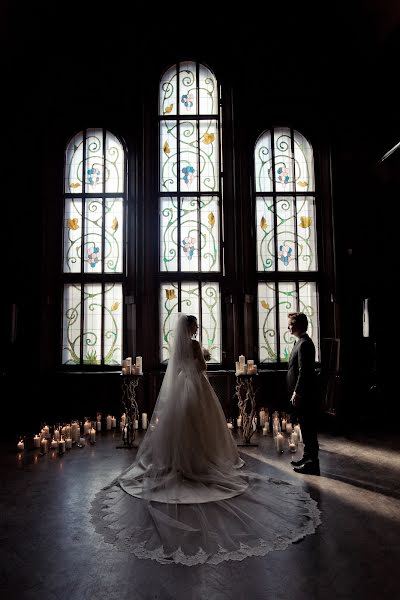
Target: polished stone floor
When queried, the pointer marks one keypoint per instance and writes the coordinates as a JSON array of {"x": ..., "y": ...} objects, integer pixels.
[{"x": 50, "y": 551}]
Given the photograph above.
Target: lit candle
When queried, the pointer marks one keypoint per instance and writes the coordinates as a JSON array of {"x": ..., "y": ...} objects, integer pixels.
[
  {"x": 36, "y": 441},
  {"x": 113, "y": 422},
  {"x": 144, "y": 420},
  {"x": 283, "y": 424},
  {"x": 242, "y": 360},
  {"x": 92, "y": 435},
  {"x": 54, "y": 444},
  {"x": 136, "y": 424},
  {"x": 20, "y": 445},
  {"x": 82, "y": 441},
  {"x": 98, "y": 425},
  {"x": 108, "y": 422},
  {"x": 239, "y": 421},
  {"x": 46, "y": 431},
  {"x": 56, "y": 434},
  {"x": 68, "y": 443},
  {"x": 289, "y": 427},
  {"x": 230, "y": 426},
  {"x": 292, "y": 447},
  {"x": 87, "y": 426},
  {"x": 298, "y": 431},
  {"x": 61, "y": 446},
  {"x": 237, "y": 367},
  {"x": 265, "y": 431},
  {"x": 68, "y": 431},
  {"x": 295, "y": 438},
  {"x": 43, "y": 446}
]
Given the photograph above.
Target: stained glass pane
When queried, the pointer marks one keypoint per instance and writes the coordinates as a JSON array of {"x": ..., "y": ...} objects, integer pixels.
[
  {"x": 168, "y": 308},
  {"x": 190, "y": 238},
  {"x": 71, "y": 351},
  {"x": 263, "y": 164},
  {"x": 303, "y": 164},
  {"x": 265, "y": 234},
  {"x": 287, "y": 303},
  {"x": 208, "y": 92},
  {"x": 94, "y": 161},
  {"x": 92, "y": 247},
  {"x": 189, "y": 156},
  {"x": 113, "y": 305},
  {"x": 168, "y": 156},
  {"x": 306, "y": 233},
  {"x": 72, "y": 235},
  {"x": 209, "y": 218},
  {"x": 188, "y": 292},
  {"x": 283, "y": 159},
  {"x": 209, "y": 156},
  {"x": 168, "y": 234},
  {"x": 114, "y": 165},
  {"x": 286, "y": 236},
  {"x": 187, "y": 88},
  {"x": 73, "y": 165},
  {"x": 92, "y": 324},
  {"x": 168, "y": 92},
  {"x": 114, "y": 214},
  {"x": 267, "y": 322},
  {"x": 211, "y": 320},
  {"x": 308, "y": 304}
]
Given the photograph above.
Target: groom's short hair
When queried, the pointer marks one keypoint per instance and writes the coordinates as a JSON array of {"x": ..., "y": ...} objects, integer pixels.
[{"x": 299, "y": 319}]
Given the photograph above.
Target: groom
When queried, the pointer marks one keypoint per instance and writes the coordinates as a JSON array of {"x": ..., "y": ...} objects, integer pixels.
[{"x": 301, "y": 383}]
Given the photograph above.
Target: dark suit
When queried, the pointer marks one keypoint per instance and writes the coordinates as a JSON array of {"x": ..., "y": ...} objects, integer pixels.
[{"x": 301, "y": 378}]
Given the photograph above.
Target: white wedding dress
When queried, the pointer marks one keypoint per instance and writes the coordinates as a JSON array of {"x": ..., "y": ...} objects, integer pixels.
[{"x": 186, "y": 497}]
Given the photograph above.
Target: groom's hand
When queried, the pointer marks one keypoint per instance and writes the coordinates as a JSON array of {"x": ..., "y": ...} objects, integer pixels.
[{"x": 295, "y": 399}]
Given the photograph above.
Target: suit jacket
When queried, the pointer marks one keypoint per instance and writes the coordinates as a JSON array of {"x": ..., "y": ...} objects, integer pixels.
[{"x": 301, "y": 377}]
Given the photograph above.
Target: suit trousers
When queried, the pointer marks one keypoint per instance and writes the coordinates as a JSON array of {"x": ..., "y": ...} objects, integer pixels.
[{"x": 308, "y": 425}]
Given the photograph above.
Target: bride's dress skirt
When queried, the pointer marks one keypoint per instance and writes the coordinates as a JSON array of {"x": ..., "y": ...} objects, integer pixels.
[{"x": 186, "y": 497}]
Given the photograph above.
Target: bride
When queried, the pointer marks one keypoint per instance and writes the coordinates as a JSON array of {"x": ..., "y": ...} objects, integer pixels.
[{"x": 186, "y": 497}]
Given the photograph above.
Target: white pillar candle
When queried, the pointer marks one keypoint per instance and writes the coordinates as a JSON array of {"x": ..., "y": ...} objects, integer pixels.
[
  {"x": 139, "y": 364},
  {"x": 63, "y": 431},
  {"x": 54, "y": 444},
  {"x": 283, "y": 424},
  {"x": 289, "y": 428},
  {"x": 265, "y": 431},
  {"x": 237, "y": 367},
  {"x": 292, "y": 447},
  {"x": 230, "y": 426},
  {"x": 262, "y": 416},
  {"x": 61, "y": 446},
  {"x": 44, "y": 446},
  {"x": 98, "y": 425},
  {"x": 295, "y": 438},
  {"x": 136, "y": 424},
  {"x": 239, "y": 421},
  {"x": 68, "y": 431},
  {"x": 87, "y": 426},
  {"x": 20, "y": 445},
  {"x": 56, "y": 434},
  {"x": 108, "y": 422},
  {"x": 113, "y": 422},
  {"x": 46, "y": 431},
  {"x": 279, "y": 443},
  {"x": 82, "y": 441},
  {"x": 144, "y": 420},
  {"x": 298, "y": 431},
  {"x": 242, "y": 360},
  {"x": 92, "y": 435},
  {"x": 68, "y": 443},
  {"x": 36, "y": 441}
]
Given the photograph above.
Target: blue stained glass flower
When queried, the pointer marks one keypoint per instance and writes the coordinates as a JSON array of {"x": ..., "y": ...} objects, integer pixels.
[
  {"x": 187, "y": 100},
  {"x": 285, "y": 253},
  {"x": 283, "y": 177},
  {"x": 94, "y": 175},
  {"x": 188, "y": 174}
]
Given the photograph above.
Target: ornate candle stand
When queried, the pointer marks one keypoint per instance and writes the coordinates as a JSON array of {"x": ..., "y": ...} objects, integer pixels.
[
  {"x": 247, "y": 404},
  {"x": 129, "y": 385}
]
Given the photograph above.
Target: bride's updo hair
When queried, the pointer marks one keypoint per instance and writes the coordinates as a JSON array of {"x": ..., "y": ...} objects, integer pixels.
[{"x": 190, "y": 319}]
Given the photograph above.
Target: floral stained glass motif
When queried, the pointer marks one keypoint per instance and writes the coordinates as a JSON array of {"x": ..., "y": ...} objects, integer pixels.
[
  {"x": 185, "y": 91},
  {"x": 100, "y": 341},
  {"x": 284, "y": 162},
  {"x": 199, "y": 299},
  {"x": 196, "y": 224},
  {"x": 275, "y": 301}
]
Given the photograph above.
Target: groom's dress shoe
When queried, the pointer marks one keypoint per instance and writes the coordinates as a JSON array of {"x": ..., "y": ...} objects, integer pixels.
[
  {"x": 298, "y": 463},
  {"x": 311, "y": 467}
]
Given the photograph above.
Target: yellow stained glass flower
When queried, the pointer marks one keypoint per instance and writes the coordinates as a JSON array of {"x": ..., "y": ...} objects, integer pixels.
[
  {"x": 115, "y": 224},
  {"x": 305, "y": 222},
  {"x": 211, "y": 219},
  {"x": 166, "y": 148},
  {"x": 169, "y": 108},
  {"x": 115, "y": 306},
  {"x": 74, "y": 185},
  {"x": 72, "y": 224},
  {"x": 265, "y": 304},
  {"x": 263, "y": 224},
  {"x": 170, "y": 294},
  {"x": 208, "y": 138},
  {"x": 302, "y": 183}
]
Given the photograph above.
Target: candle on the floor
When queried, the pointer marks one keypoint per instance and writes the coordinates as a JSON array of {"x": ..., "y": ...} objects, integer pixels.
[
  {"x": 292, "y": 447},
  {"x": 144, "y": 420},
  {"x": 113, "y": 422},
  {"x": 54, "y": 444},
  {"x": 87, "y": 426},
  {"x": 136, "y": 424},
  {"x": 43, "y": 446},
  {"x": 20, "y": 445},
  {"x": 283, "y": 424},
  {"x": 82, "y": 441},
  {"x": 289, "y": 428},
  {"x": 298, "y": 431},
  {"x": 108, "y": 422},
  {"x": 68, "y": 443},
  {"x": 264, "y": 431},
  {"x": 61, "y": 446},
  {"x": 92, "y": 435},
  {"x": 279, "y": 442},
  {"x": 36, "y": 441},
  {"x": 56, "y": 434}
]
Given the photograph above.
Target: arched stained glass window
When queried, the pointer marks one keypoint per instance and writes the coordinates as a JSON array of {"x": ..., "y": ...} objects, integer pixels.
[
  {"x": 190, "y": 187},
  {"x": 287, "y": 261},
  {"x": 93, "y": 251}
]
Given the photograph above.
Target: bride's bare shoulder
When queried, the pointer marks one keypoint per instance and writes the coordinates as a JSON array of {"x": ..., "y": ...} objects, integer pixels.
[{"x": 195, "y": 344}]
